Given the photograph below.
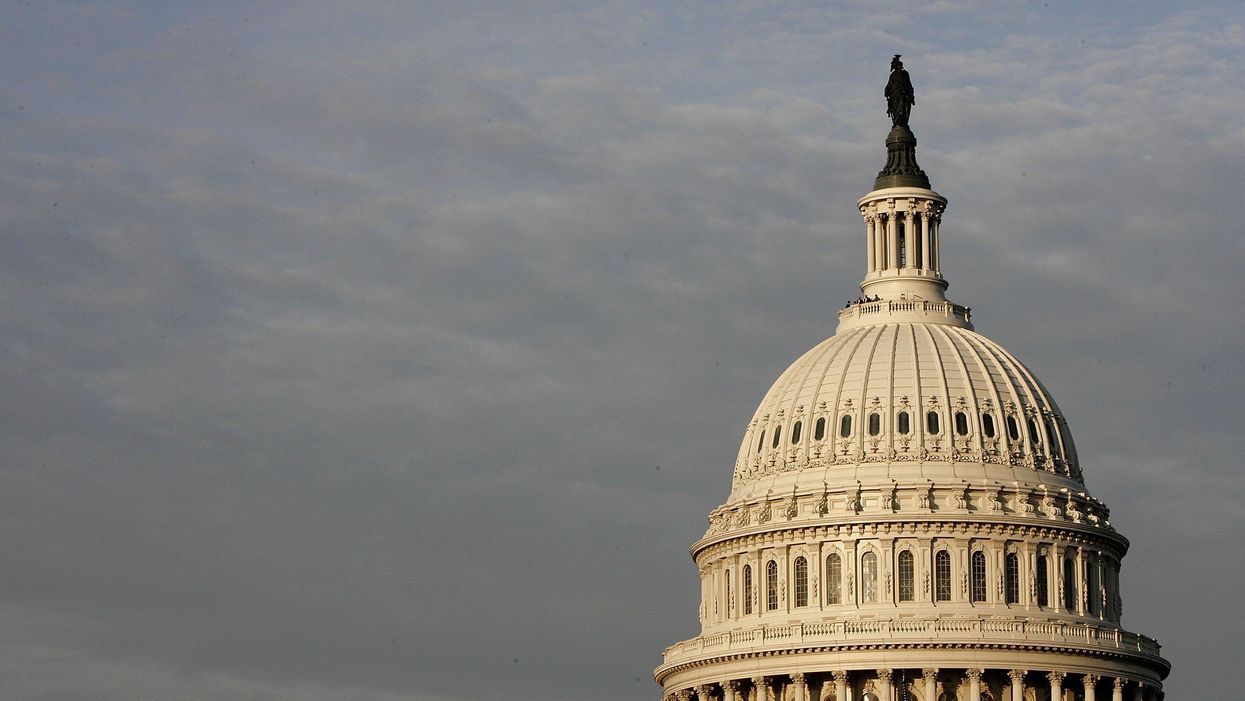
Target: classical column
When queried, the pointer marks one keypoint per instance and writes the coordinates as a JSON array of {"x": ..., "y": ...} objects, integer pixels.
[
  {"x": 1117, "y": 689},
  {"x": 925, "y": 260},
  {"x": 869, "y": 225},
  {"x": 930, "y": 677},
  {"x": 702, "y": 692},
  {"x": 910, "y": 236},
  {"x": 840, "y": 686},
  {"x": 1082, "y": 597},
  {"x": 1056, "y": 685},
  {"x": 761, "y": 687},
  {"x": 974, "y": 684},
  {"x": 884, "y": 685},
  {"x": 730, "y": 690},
  {"x": 1139, "y": 692},
  {"x": 801, "y": 686},
  {"x": 892, "y": 240},
  {"x": 1018, "y": 684},
  {"x": 683, "y": 694},
  {"x": 1090, "y": 681}
]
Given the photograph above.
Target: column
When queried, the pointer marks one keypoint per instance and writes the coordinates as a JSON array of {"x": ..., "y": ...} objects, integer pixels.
[
  {"x": 730, "y": 690},
  {"x": 1018, "y": 684},
  {"x": 930, "y": 677},
  {"x": 801, "y": 686},
  {"x": 892, "y": 241},
  {"x": 1056, "y": 686},
  {"x": 884, "y": 685},
  {"x": 1090, "y": 681},
  {"x": 1081, "y": 595},
  {"x": 1139, "y": 692},
  {"x": 762, "y": 690},
  {"x": 683, "y": 694},
  {"x": 974, "y": 684},
  {"x": 702, "y": 693},
  {"x": 935, "y": 255},
  {"x": 1117, "y": 689},
  {"x": 925, "y": 250},
  {"x": 869, "y": 222},
  {"x": 840, "y": 686},
  {"x": 910, "y": 235}
]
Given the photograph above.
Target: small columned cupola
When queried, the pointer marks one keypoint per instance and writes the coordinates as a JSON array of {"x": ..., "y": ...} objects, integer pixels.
[{"x": 902, "y": 214}]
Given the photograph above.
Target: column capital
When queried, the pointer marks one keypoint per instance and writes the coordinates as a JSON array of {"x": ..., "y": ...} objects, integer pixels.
[
  {"x": 884, "y": 674},
  {"x": 929, "y": 674},
  {"x": 1055, "y": 677},
  {"x": 683, "y": 694},
  {"x": 703, "y": 692},
  {"x": 1117, "y": 684},
  {"x": 758, "y": 681},
  {"x": 974, "y": 674},
  {"x": 1090, "y": 679},
  {"x": 1017, "y": 675},
  {"x": 839, "y": 675},
  {"x": 797, "y": 677}
]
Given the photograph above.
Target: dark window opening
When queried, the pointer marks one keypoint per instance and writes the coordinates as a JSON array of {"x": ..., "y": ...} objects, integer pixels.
[
  {"x": 904, "y": 427},
  {"x": 819, "y": 430},
  {"x": 931, "y": 422},
  {"x": 875, "y": 424},
  {"x": 987, "y": 425},
  {"x": 1013, "y": 431},
  {"x": 961, "y": 423},
  {"x": 795, "y": 431},
  {"x": 845, "y": 426},
  {"x": 777, "y": 436}
]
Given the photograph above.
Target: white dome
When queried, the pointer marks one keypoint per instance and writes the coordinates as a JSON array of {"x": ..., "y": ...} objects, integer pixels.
[{"x": 892, "y": 396}]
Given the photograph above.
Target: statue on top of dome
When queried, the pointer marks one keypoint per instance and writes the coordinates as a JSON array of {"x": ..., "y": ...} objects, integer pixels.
[{"x": 900, "y": 97}]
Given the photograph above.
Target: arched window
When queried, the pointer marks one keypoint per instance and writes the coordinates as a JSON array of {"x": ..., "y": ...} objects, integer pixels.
[
  {"x": 761, "y": 442},
  {"x": 869, "y": 578},
  {"x": 904, "y": 425},
  {"x": 819, "y": 431},
  {"x": 747, "y": 589},
  {"x": 1013, "y": 431},
  {"x": 777, "y": 436},
  {"x": 795, "y": 431},
  {"x": 931, "y": 422},
  {"x": 801, "y": 582},
  {"x": 845, "y": 426},
  {"x": 1052, "y": 440},
  {"x": 979, "y": 576},
  {"x": 1042, "y": 584},
  {"x": 987, "y": 425},
  {"x": 834, "y": 579},
  {"x": 1069, "y": 584},
  {"x": 907, "y": 576},
  {"x": 729, "y": 601},
  {"x": 961, "y": 423},
  {"x": 942, "y": 576},
  {"x": 1011, "y": 573},
  {"x": 875, "y": 424},
  {"x": 771, "y": 586}
]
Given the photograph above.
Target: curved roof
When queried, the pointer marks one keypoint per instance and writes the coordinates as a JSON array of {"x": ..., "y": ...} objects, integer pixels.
[{"x": 903, "y": 394}]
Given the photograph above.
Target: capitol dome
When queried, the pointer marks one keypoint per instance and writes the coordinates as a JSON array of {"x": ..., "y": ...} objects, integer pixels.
[{"x": 908, "y": 519}]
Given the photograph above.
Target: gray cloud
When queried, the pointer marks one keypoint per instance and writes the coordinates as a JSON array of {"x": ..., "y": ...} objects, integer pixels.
[{"x": 393, "y": 352}]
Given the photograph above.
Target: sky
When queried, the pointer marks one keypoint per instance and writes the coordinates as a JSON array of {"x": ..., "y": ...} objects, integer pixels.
[{"x": 389, "y": 351}]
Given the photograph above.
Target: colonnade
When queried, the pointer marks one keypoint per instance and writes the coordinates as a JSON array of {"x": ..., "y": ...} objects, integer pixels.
[
  {"x": 928, "y": 684},
  {"x": 903, "y": 239}
]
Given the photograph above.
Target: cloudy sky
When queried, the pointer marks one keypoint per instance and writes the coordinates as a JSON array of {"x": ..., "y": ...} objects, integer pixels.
[{"x": 398, "y": 350}]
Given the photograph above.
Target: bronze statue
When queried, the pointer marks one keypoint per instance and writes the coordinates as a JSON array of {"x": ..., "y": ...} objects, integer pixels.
[{"x": 900, "y": 96}]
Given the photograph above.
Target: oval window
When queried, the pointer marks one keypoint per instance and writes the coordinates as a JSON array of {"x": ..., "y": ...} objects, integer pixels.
[
  {"x": 795, "y": 432},
  {"x": 961, "y": 423},
  {"x": 904, "y": 428},
  {"x": 845, "y": 426},
  {"x": 875, "y": 424},
  {"x": 777, "y": 436},
  {"x": 761, "y": 442},
  {"x": 1013, "y": 431},
  {"x": 819, "y": 431},
  {"x": 931, "y": 422},
  {"x": 987, "y": 425}
]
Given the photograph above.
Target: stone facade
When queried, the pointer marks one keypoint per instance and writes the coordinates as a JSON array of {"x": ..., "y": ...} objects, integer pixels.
[{"x": 908, "y": 519}]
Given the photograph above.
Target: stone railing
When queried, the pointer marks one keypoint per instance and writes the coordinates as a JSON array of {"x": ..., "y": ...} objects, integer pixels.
[
  {"x": 909, "y": 631},
  {"x": 866, "y": 309}
]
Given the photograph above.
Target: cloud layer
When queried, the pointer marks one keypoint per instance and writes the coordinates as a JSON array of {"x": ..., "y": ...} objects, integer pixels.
[{"x": 386, "y": 351}]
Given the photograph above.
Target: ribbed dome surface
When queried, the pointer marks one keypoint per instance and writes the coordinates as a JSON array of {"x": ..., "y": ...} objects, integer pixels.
[{"x": 907, "y": 393}]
